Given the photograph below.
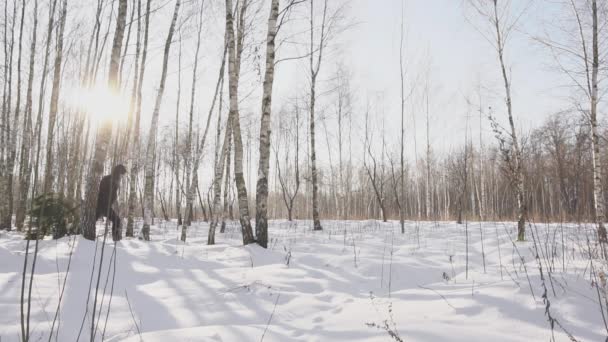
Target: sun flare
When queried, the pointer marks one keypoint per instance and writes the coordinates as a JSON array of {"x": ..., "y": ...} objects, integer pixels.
[{"x": 100, "y": 104}]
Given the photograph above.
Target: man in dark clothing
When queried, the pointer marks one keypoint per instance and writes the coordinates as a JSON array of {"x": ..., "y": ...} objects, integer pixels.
[{"x": 108, "y": 192}]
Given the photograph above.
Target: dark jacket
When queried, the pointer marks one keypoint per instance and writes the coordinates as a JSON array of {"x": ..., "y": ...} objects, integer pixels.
[{"x": 108, "y": 193}]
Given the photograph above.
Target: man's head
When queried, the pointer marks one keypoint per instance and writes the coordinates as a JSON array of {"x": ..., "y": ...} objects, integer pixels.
[{"x": 118, "y": 171}]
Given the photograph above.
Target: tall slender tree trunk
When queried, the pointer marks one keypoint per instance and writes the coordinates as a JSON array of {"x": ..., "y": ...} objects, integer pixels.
[
  {"x": 234, "y": 54},
  {"x": 227, "y": 179},
  {"x": 598, "y": 193},
  {"x": 6, "y": 149},
  {"x": 25, "y": 168},
  {"x": 104, "y": 134},
  {"x": 190, "y": 175},
  {"x": 427, "y": 190},
  {"x": 482, "y": 185},
  {"x": 149, "y": 167},
  {"x": 218, "y": 172},
  {"x": 402, "y": 206},
  {"x": 219, "y": 156},
  {"x": 261, "y": 226},
  {"x": 137, "y": 90},
  {"x": 176, "y": 158},
  {"x": 39, "y": 120},
  {"x": 13, "y": 140},
  {"x": 518, "y": 176},
  {"x": 315, "y": 67},
  {"x": 48, "y": 174},
  {"x": 217, "y": 190},
  {"x": 342, "y": 210}
]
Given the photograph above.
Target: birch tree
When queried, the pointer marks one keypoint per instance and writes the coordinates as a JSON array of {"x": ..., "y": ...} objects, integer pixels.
[
  {"x": 234, "y": 60},
  {"x": 11, "y": 155},
  {"x": 104, "y": 134},
  {"x": 264, "y": 161},
  {"x": 593, "y": 83},
  {"x": 315, "y": 67},
  {"x": 149, "y": 167},
  {"x": 176, "y": 157},
  {"x": 48, "y": 174},
  {"x": 220, "y": 154},
  {"x": 136, "y": 106},
  {"x": 401, "y": 202},
  {"x": 579, "y": 54},
  {"x": 502, "y": 25},
  {"x": 25, "y": 168},
  {"x": 427, "y": 188},
  {"x": 5, "y": 151},
  {"x": 290, "y": 189},
  {"x": 38, "y": 128},
  {"x": 191, "y": 183}
]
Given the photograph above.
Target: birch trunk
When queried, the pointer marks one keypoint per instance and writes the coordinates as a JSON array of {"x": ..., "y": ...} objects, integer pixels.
[
  {"x": 341, "y": 186},
  {"x": 264, "y": 161},
  {"x": 427, "y": 190},
  {"x": 197, "y": 159},
  {"x": 38, "y": 128},
  {"x": 102, "y": 141},
  {"x": 227, "y": 179},
  {"x": 402, "y": 206},
  {"x": 13, "y": 141},
  {"x": 218, "y": 171},
  {"x": 598, "y": 194},
  {"x": 522, "y": 211},
  {"x": 482, "y": 185},
  {"x": 12, "y": 132},
  {"x": 48, "y": 174},
  {"x": 234, "y": 55},
  {"x": 314, "y": 72},
  {"x": 217, "y": 188},
  {"x": 190, "y": 183},
  {"x": 136, "y": 128},
  {"x": 5, "y": 152},
  {"x": 176, "y": 159},
  {"x": 149, "y": 167},
  {"x": 25, "y": 168}
]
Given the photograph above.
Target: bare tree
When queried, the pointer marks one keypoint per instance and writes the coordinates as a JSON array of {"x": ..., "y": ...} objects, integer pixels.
[
  {"x": 25, "y": 168},
  {"x": 190, "y": 183},
  {"x": 401, "y": 202},
  {"x": 220, "y": 153},
  {"x": 136, "y": 106},
  {"x": 102, "y": 141},
  {"x": 261, "y": 219},
  {"x": 234, "y": 60},
  {"x": 6, "y": 148},
  {"x": 579, "y": 54},
  {"x": 502, "y": 26},
  {"x": 48, "y": 174},
  {"x": 375, "y": 172},
  {"x": 176, "y": 152},
  {"x": 264, "y": 149},
  {"x": 149, "y": 166},
  {"x": 315, "y": 67},
  {"x": 290, "y": 184},
  {"x": 427, "y": 188}
]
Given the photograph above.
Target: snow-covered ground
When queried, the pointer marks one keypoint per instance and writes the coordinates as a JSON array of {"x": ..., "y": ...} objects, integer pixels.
[{"x": 354, "y": 281}]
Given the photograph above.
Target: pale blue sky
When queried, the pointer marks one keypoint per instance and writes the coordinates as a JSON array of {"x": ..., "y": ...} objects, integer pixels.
[{"x": 437, "y": 31}]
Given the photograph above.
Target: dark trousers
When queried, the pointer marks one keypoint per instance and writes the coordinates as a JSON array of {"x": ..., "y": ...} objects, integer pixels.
[{"x": 113, "y": 217}]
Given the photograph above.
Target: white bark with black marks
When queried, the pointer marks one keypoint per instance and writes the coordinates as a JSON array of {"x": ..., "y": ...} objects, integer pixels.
[{"x": 264, "y": 161}]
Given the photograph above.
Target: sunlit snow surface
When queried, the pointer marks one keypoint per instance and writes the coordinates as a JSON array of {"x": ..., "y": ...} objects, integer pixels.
[{"x": 346, "y": 283}]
